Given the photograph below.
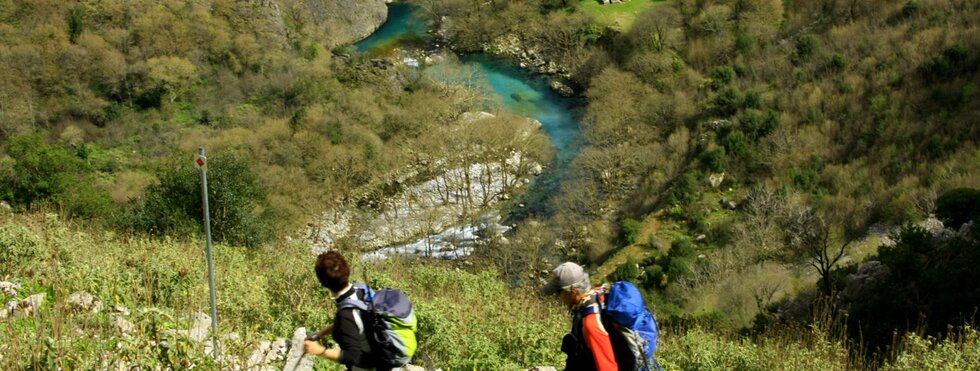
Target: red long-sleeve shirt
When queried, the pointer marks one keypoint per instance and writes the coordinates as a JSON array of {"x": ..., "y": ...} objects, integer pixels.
[{"x": 597, "y": 339}]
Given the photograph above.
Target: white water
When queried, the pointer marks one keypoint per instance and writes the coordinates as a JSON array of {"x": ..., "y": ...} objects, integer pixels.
[{"x": 455, "y": 242}]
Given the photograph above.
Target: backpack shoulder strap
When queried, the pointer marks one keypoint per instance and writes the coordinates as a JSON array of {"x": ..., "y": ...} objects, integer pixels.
[
  {"x": 353, "y": 301},
  {"x": 357, "y": 313},
  {"x": 596, "y": 304}
]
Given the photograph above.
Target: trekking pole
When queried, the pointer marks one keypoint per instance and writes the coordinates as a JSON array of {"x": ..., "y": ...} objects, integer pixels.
[
  {"x": 317, "y": 335},
  {"x": 425, "y": 358},
  {"x": 202, "y": 162}
]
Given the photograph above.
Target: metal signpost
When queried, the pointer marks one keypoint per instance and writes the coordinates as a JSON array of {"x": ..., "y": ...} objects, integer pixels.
[{"x": 202, "y": 163}]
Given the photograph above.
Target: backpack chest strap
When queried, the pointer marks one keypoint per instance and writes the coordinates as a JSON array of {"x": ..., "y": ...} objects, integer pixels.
[{"x": 589, "y": 309}]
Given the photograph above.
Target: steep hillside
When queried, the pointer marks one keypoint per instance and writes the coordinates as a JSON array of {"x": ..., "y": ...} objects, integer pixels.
[
  {"x": 748, "y": 163},
  {"x": 104, "y": 102},
  {"x": 149, "y": 293},
  {"x": 771, "y": 141},
  {"x": 338, "y": 22},
  {"x": 88, "y": 298}
]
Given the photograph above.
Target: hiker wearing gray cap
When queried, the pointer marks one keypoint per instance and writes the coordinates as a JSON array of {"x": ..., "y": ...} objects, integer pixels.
[{"x": 588, "y": 346}]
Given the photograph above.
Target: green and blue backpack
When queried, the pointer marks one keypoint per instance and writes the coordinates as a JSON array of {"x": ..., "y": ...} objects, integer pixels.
[{"x": 390, "y": 325}]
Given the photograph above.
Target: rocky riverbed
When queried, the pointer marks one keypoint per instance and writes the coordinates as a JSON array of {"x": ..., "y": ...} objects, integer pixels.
[{"x": 433, "y": 217}]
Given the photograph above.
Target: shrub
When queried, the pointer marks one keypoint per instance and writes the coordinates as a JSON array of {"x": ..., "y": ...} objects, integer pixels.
[
  {"x": 737, "y": 143},
  {"x": 958, "y": 206},
  {"x": 684, "y": 190},
  {"x": 727, "y": 102},
  {"x": 590, "y": 34},
  {"x": 947, "y": 65},
  {"x": 628, "y": 271},
  {"x": 235, "y": 199},
  {"x": 680, "y": 248},
  {"x": 51, "y": 174},
  {"x": 679, "y": 268},
  {"x": 721, "y": 76},
  {"x": 18, "y": 248},
  {"x": 837, "y": 63},
  {"x": 696, "y": 219},
  {"x": 743, "y": 42},
  {"x": 806, "y": 47},
  {"x": 631, "y": 230},
  {"x": 916, "y": 263},
  {"x": 807, "y": 178},
  {"x": 654, "y": 277},
  {"x": 911, "y": 7},
  {"x": 753, "y": 99},
  {"x": 714, "y": 159},
  {"x": 758, "y": 124}
]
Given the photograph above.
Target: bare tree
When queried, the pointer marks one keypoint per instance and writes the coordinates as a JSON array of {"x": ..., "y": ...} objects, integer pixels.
[
  {"x": 812, "y": 236},
  {"x": 759, "y": 230},
  {"x": 764, "y": 294}
]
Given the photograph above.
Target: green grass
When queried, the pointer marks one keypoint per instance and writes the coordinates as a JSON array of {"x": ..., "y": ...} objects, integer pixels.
[
  {"x": 646, "y": 245},
  {"x": 468, "y": 320},
  {"x": 184, "y": 113},
  {"x": 620, "y": 16}
]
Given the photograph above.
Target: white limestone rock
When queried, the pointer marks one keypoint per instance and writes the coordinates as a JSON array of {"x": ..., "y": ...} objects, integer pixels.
[
  {"x": 84, "y": 302},
  {"x": 9, "y": 288}
]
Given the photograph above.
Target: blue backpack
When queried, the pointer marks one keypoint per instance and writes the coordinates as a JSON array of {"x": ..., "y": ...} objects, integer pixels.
[
  {"x": 638, "y": 327},
  {"x": 391, "y": 324}
]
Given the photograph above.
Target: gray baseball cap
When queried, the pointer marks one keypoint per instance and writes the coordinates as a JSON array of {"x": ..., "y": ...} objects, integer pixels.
[{"x": 563, "y": 277}]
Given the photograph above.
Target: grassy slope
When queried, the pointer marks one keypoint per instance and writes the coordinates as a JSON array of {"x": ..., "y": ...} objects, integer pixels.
[
  {"x": 467, "y": 320},
  {"x": 649, "y": 242},
  {"x": 617, "y": 15},
  {"x": 262, "y": 294}
]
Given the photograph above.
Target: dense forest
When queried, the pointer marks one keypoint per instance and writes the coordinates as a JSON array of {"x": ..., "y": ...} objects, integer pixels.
[
  {"x": 753, "y": 165},
  {"x": 105, "y": 103},
  {"x": 739, "y": 151}
]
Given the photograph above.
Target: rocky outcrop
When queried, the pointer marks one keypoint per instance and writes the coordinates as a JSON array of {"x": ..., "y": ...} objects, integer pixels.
[
  {"x": 333, "y": 22},
  {"x": 429, "y": 206},
  {"x": 268, "y": 354},
  {"x": 200, "y": 329},
  {"x": 885, "y": 231},
  {"x": 510, "y": 45},
  {"x": 264, "y": 18},
  {"x": 8, "y": 309},
  {"x": 296, "y": 359},
  {"x": 527, "y": 57},
  {"x": 562, "y": 87},
  {"x": 345, "y": 21},
  {"x": 715, "y": 179},
  {"x": 9, "y": 288},
  {"x": 27, "y": 307},
  {"x": 84, "y": 302},
  {"x": 122, "y": 325},
  {"x": 867, "y": 278}
]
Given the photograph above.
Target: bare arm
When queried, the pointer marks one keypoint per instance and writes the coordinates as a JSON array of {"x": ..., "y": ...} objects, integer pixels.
[{"x": 314, "y": 348}]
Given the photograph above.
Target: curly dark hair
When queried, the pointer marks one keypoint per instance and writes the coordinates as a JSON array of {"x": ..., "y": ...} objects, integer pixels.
[{"x": 332, "y": 270}]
